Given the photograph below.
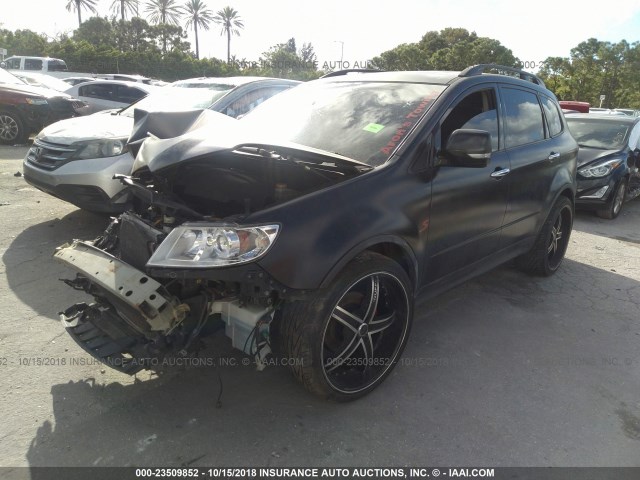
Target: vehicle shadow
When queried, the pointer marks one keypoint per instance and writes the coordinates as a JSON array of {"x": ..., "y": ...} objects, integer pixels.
[
  {"x": 32, "y": 273},
  {"x": 173, "y": 418},
  {"x": 478, "y": 357}
]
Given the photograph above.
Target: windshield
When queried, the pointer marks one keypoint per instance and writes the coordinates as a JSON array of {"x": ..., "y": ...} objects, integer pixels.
[
  {"x": 175, "y": 98},
  {"x": 6, "y": 77},
  {"x": 44, "y": 81},
  {"x": 602, "y": 134},
  {"x": 364, "y": 121}
]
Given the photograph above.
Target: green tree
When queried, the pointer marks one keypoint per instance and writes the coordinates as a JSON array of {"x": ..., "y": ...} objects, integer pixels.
[
  {"x": 97, "y": 31},
  {"x": 172, "y": 36},
  {"x": 135, "y": 35},
  {"x": 78, "y": 5},
  {"x": 164, "y": 12},
  {"x": 198, "y": 16},
  {"x": 556, "y": 72},
  {"x": 407, "y": 56},
  {"x": 230, "y": 23},
  {"x": 449, "y": 49},
  {"x": 596, "y": 68},
  {"x": 285, "y": 61},
  {"x": 307, "y": 54},
  {"x": 23, "y": 42},
  {"x": 122, "y": 6}
]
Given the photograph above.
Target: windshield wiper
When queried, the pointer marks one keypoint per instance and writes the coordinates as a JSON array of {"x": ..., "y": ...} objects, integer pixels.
[{"x": 304, "y": 157}]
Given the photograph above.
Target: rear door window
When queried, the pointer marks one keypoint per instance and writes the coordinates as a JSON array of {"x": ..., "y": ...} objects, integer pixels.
[
  {"x": 523, "y": 117},
  {"x": 97, "y": 90},
  {"x": 552, "y": 114},
  {"x": 32, "y": 64},
  {"x": 128, "y": 95}
]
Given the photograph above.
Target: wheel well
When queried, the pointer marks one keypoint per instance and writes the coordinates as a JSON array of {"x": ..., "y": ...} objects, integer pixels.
[
  {"x": 569, "y": 194},
  {"x": 11, "y": 109},
  {"x": 399, "y": 255}
]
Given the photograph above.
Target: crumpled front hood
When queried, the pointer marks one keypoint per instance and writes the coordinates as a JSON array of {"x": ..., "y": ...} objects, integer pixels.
[
  {"x": 91, "y": 127},
  {"x": 180, "y": 136},
  {"x": 587, "y": 155},
  {"x": 205, "y": 164}
]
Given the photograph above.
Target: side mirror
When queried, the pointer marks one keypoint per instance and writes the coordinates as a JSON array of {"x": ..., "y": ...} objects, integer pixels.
[
  {"x": 467, "y": 148},
  {"x": 633, "y": 160},
  {"x": 3, "y": 64}
]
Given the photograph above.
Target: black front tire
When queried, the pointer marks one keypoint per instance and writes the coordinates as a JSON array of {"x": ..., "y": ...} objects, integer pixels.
[
  {"x": 547, "y": 253},
  {"x": 614, "y": 206},
  {"x": 12, "y": 129},
  {"x": 345, "y": 340}
]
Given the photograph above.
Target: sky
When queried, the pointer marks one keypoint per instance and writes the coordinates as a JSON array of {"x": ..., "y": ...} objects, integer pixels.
[{"x": 358, "y": 30}]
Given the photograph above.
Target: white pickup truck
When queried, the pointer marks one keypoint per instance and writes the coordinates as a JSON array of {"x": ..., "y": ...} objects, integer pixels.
[
  {"x": 58, "y": 68},
  {"x": 36, "y": 64}
]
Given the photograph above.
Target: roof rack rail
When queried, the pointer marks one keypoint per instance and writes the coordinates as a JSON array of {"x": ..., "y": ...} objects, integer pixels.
[
  {"x": 480, "y": 69},
  {"x": 350, "y": 70}
]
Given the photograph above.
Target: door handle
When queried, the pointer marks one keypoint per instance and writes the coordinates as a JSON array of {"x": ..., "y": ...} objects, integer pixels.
[
  {"x": 553, "y": 156},
  {"x": 500, "y": 172}
]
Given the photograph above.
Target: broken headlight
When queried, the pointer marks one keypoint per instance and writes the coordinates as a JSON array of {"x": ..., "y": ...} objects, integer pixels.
[{"x": 205, "y": 245}]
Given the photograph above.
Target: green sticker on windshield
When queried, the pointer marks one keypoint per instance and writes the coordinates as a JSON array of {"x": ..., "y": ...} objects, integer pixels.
[{"x": 373, "y": 127}]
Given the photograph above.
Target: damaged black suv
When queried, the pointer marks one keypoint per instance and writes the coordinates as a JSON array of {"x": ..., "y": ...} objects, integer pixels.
[{"x": 308, "y": 228}]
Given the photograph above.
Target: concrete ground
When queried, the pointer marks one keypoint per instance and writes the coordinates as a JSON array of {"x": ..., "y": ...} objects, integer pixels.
[{"x": 505, "y": 370}]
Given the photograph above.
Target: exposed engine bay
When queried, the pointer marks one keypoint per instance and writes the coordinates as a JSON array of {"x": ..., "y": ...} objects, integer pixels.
[{"x": 146, "y": 308}]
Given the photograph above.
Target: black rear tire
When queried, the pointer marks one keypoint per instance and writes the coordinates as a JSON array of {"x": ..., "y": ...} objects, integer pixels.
[
  {"x": 12, "y": 129},
  {"x": 547, "y": 253},
  {"x": 614, "y": 206},
  {"x": 345, "y": 340}
]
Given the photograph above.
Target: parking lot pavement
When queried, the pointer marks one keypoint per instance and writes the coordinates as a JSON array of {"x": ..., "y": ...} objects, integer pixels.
[{"x": 504, "y": 370}]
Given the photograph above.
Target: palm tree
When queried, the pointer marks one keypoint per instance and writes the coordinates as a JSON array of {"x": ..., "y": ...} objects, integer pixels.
[
  {"x": 163, "y": 11},
  {"x": 231, "y": 24},
  {"x": 123, "y": 6},
  {"x": 198, "y": 15},
  {"x": 77, "y": 5}
]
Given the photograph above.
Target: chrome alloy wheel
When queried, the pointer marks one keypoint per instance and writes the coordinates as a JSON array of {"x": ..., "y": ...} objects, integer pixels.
[
  {"x": 560, "y": 232},
  {"x": 365, "y": 332},
  {"x": 8, "y": 128}
]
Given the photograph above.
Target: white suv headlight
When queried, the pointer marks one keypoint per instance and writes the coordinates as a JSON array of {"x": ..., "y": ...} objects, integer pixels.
[
  {"x": 601, "y": 170},
  {"x": 110, "y": 147},
  {"x": 200, "y": 245}
]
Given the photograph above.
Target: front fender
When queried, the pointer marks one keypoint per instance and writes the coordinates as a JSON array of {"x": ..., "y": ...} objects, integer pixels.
[
  {"x": 411, "y": 262},
  {"x": 324, "y": 230}
]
